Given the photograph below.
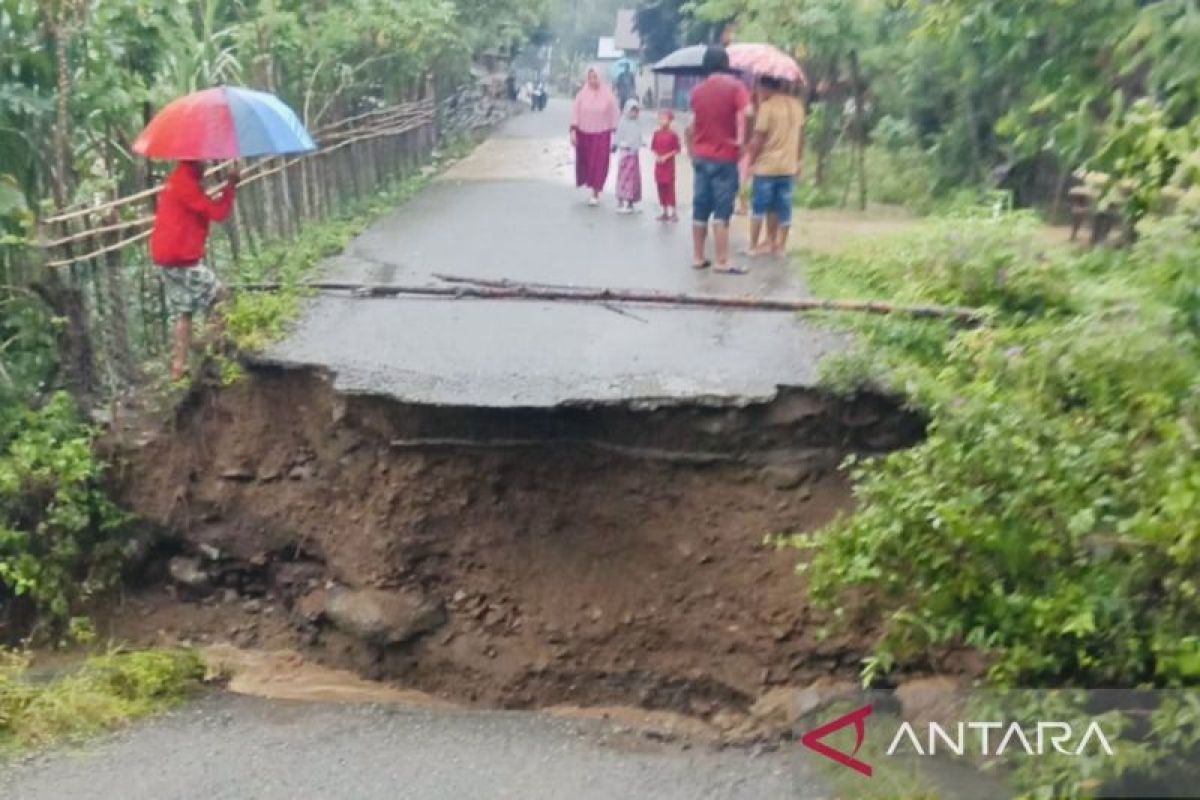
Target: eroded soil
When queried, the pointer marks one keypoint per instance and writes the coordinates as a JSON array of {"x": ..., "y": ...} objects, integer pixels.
[{"x": 585, "y": 556}]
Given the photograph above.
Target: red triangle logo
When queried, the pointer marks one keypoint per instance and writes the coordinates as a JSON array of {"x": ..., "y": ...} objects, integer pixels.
[{"x": 812, "y": 739}]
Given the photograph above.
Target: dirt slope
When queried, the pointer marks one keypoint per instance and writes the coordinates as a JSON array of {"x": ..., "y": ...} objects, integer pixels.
[{"x": 586, "y": 555}]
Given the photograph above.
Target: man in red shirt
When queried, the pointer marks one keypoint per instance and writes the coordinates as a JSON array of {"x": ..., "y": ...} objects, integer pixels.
[
  {"x": 714, "y": 140},
  {"x": 177, "y": 245}
]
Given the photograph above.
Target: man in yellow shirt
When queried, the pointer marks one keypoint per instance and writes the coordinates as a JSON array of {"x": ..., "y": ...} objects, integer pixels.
[{"x": 776, "y": 159}]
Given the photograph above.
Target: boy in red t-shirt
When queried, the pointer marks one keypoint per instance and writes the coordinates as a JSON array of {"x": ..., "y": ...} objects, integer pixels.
[{"x": 665, "y": 146}]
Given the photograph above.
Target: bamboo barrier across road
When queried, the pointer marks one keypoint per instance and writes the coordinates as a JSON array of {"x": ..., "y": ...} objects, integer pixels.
[{"x": 481, "y": 289}]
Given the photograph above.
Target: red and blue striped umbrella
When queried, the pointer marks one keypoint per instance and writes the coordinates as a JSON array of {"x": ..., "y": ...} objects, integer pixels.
[{"x": 225, "y": 122}]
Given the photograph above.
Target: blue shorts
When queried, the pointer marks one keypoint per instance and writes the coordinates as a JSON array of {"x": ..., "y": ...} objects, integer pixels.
[
  {"x": 773, "y": 195},
  {"x": 716, "y": 186}
]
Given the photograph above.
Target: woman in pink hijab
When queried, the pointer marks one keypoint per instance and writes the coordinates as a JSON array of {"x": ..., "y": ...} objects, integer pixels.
[{"x": 593, "y": 121}]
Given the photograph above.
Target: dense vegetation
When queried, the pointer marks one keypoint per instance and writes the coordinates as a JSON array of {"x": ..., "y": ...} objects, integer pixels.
[
  {"x": 978, "y": 93},
  {"x": 1049, "y": 516}
]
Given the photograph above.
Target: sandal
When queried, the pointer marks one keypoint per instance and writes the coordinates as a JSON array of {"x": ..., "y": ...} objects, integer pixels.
[
  {"x": 705, "y": 264},
  {"x": 731, "y": 269}
]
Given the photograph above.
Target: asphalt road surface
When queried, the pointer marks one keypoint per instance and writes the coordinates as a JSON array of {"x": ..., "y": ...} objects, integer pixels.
[
  {"x": 511, "y": 210},
  {"x": 235, "y": 748}
]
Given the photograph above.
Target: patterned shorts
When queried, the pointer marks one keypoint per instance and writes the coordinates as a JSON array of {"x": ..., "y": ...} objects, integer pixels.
[{"x": 189, "y": 290}]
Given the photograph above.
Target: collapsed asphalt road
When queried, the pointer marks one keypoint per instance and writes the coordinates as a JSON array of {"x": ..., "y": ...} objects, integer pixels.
[
  {"x": 510, "y": 211},
  {"x": 234, "y": 748}
]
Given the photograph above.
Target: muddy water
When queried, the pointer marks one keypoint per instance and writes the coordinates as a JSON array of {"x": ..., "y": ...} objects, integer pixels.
[{"x": 287, "y": 675}]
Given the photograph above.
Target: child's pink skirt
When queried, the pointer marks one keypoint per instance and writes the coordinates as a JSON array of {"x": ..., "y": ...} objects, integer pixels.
[{"x": 629, "y": 178}]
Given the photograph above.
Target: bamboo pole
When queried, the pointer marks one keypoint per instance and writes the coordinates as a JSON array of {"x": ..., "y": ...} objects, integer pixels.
[{"x": 469, "y": 288}]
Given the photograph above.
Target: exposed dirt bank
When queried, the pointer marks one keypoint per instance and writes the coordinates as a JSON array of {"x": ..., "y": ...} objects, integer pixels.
[{"x": 585, "y": 556}]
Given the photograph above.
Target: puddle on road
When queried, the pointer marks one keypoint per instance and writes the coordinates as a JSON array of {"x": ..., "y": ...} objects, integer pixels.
[{"x": 500, "y": 159}]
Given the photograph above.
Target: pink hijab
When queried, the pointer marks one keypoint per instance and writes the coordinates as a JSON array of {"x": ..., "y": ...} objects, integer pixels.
[{"x": 595, "y": 109}]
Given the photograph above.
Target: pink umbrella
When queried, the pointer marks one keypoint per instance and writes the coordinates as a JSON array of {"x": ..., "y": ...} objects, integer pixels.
[{"x": 766, "y": 60}]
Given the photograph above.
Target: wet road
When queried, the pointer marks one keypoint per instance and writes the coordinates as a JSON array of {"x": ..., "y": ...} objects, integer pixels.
[
  {"x": 234, "y": 748},
  {"x": 510, "y": 210}
]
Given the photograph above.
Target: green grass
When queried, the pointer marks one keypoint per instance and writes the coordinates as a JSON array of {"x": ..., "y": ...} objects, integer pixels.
[{"x": 103, "y": 693}]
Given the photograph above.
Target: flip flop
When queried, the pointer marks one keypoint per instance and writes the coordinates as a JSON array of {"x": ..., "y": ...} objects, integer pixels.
[
  {"x": 702, "y": 265},
  {"x": 731, "y": 269}
]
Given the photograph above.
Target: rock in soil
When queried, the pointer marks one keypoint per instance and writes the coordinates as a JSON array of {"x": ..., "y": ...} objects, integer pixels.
[
  {"x": 778, "y": 712},
  {"x": 311, "y": 607},
  {"x": 188, "y": 572},
  {"x": 383, "y": 617},
  {"x": 785, "y": 476}
]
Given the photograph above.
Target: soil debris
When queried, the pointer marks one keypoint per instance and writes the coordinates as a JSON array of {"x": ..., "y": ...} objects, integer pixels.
[{"x": 598, "y": 564}]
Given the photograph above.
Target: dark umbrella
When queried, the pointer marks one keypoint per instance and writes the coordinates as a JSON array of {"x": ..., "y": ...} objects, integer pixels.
[{"x": 684, "y": 61}]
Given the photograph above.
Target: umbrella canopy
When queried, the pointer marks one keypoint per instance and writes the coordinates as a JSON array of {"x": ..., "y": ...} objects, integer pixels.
[
  {"x": 684, "y": 61},
  {"x": 764, "y": 60},
  {"x": 618, "y": 66},
  {"x": 220, "y": 123},
  {"x": 750, "y": 59}
]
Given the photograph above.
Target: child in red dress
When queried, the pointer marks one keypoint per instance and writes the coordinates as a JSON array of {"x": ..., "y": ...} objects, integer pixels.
[{"x": 665, "y": 146}]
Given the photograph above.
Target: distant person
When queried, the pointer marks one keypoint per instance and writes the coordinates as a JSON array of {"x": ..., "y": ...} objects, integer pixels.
[
  {"x": 666, "y": 146},
  {"x": 629, "y": 170},
  {"x": 776, "y": 155},
  {"x": 177, "y": 245},
  {"x": 714, "y": 142},
  {"x": 593, "y": 120},
  {"x": 626, "y": 84},
  {"x": 540, "y": 96}
]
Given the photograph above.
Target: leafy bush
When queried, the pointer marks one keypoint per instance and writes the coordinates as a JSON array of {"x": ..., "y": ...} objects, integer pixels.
[
  {"x": 1050, "y": 517},
  {"x": 28, "y": 350},
  {"x": 59, "y": 534},
  {"x": 104, "y": 692}
]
